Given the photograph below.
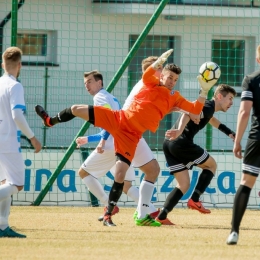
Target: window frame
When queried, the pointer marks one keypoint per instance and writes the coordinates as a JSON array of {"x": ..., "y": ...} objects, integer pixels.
[
  {"x": 249, "y": 57},
  {"x": 51, "y": 49}
]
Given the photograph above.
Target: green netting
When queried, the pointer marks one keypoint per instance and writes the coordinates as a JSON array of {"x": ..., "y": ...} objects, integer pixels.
[{"x": 62, "y": 39}]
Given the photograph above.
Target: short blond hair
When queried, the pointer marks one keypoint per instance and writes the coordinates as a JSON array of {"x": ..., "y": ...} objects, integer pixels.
[
  {"x": 12, "y": 57},
  {"x": 148, "y": 61},
  {"x": 258, "y": 52}
]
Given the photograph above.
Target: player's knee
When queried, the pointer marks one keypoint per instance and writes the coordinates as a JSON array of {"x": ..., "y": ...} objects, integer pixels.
[
  {"x": 151, "y": 169},
  {"x": 75, "y": 109},
  {"x": 210, "y": 165},
  {"x": 213, "y": 166},
  {"x": 82, "y": 173}
]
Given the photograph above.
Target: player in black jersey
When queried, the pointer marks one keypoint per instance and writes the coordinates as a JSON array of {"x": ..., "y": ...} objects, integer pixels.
[
  {"x": 182, "y": 153},
  {"x": 250, "y": 100}
]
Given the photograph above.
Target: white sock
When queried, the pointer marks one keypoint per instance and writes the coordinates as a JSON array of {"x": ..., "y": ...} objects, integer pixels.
[
  {"x": 133, "y": 193},
  {"x": 96, "y": 189},
  {"x": 145, "y": 196},
  {"x": 6, "y": 190},
  {"x": 4, "y": 212}
]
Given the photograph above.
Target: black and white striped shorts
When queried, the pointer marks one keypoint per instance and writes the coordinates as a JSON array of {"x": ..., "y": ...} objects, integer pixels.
[{"x": 183, "y": 154}]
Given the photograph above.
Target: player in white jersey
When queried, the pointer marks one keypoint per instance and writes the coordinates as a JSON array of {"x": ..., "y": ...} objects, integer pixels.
[
  {"x": 103, "y": 158},
  {"x": 144, "y": 160},
  {"x": 12, "y": 123}
]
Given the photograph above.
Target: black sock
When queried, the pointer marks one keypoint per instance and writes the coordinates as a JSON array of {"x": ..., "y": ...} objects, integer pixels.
[
  {"x": 204, "y": 180},
  {"x": 114, "y": 195},
  {"x": 63, "y": 116},
  {"x": 171, "y": 201},
  {"x": 239, "y": 207}
]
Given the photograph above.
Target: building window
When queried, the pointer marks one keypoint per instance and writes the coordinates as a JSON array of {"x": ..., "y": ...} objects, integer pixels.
[
  {"x": 230, "y": 56},
  {"x": 38, "y": 46},
  {"x": 153, "y": 45},
  {"x": 32, "y": 44}
]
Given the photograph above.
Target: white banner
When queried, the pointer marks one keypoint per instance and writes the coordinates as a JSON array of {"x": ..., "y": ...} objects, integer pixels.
[{"x": 69, "y": 190}]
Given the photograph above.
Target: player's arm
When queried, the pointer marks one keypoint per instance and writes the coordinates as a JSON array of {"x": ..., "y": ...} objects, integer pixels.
[
  {"x": 104, "y": 137},
  {"x": 242, "y": 121},
  {"x": 149, "y": 78},
  {"x": 243, "y": 115},
  {"x": 174, "y": 133},
  {"x": 21, "y": 123},
  {"x": 191, "y": 107},
  {"x": 17, "y": 109},
  {"x": 221, "y": 127}
]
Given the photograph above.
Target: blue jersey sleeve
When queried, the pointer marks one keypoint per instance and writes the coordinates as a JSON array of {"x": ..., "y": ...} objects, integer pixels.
[
  {"x": 94, "y": 138},
  {"x": 104, "y": 134},
  {"x": 97, "y": 137}
]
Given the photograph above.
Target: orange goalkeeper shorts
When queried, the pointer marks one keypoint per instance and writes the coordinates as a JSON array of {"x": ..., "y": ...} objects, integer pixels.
[{"x": 115, "y": 122}]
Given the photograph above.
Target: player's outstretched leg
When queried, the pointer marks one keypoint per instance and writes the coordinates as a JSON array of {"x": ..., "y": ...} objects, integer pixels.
[
  {"x": 43, "y": 115},
  {"x": 65, "y": 115}
]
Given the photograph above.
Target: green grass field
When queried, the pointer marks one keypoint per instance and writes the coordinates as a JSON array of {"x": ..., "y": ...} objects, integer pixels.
[{"x": 75, "y": 233}]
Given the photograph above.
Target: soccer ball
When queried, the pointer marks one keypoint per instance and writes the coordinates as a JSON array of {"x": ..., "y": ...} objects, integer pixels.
[{"x": 210, "y": 71}]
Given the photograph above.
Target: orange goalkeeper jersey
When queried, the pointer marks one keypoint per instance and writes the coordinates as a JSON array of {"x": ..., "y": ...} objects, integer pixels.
[{"x": 153, "y": 102}]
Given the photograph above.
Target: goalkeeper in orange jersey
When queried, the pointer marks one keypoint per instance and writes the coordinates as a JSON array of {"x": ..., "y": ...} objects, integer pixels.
[{"x": 156, "y": 99}]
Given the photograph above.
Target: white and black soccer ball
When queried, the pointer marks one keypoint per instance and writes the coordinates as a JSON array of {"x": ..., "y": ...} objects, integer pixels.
[{"x": 210, "y": 71}]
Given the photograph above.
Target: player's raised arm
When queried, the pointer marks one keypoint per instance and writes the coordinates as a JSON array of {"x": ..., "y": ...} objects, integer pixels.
[
  {"x": 221, "y": 127},
  {"x": 149, "y": 77}
]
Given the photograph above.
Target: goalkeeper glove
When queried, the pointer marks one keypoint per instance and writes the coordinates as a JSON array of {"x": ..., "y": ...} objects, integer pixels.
[
  {"x": 205, "y": 86},
  {"x": 157, "y": 64}
]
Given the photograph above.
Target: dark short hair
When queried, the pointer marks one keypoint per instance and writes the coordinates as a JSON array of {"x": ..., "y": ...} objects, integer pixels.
[
  {"x": 224, "y": 89},
  {"x": 172, "y": 67},
  {"x": 96, "y": 74}
]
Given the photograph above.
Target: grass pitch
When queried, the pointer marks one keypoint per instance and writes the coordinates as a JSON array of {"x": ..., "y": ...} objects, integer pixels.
[{"x": 75, "y": 233}]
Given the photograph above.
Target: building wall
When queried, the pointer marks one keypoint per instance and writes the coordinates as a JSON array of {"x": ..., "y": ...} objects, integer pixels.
[{"x": 91, "y": 36}]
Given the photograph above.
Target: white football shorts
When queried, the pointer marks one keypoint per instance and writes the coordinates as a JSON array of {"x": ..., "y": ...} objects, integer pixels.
[
  {"x": 98, "y": 164},
  {"x": 143, "y": 154},
  {"x": 12, "y": 168}
]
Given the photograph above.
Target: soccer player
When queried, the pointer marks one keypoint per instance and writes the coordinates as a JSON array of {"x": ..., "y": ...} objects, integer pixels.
[
  {"x": 102, "y": 159},
  {"x": 150, "y": 105},
  {"x": 250, "y": 100},
  {"x": 12, "y": 122},
  {"x": 143, "y": 158},
  {"x": 182, "y": 153}
]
